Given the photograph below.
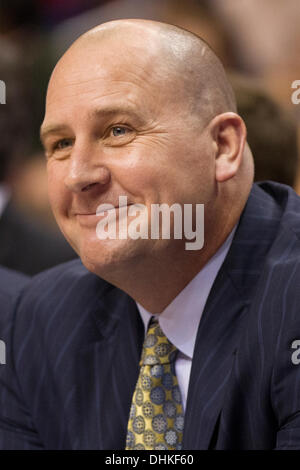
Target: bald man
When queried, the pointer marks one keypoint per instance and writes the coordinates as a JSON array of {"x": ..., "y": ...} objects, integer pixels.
[{"x": 147, "y": 342}]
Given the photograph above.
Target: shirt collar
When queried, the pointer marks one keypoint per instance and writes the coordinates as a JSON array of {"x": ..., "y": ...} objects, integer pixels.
[{"x": 180, "y": 319}]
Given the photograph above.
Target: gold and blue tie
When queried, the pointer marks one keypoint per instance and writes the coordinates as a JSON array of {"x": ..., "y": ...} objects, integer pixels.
[{"x": 156, "y": 415}]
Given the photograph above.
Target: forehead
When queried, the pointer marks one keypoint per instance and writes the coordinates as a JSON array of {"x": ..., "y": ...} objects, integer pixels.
[{"x": 105, "y": 72}]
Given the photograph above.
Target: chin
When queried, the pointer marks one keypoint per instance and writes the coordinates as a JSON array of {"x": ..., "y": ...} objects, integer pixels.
[{"x": 108, "y": 258}]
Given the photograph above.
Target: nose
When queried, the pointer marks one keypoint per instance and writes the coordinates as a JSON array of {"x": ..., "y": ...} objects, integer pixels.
[{"x": 85, "y": 171}]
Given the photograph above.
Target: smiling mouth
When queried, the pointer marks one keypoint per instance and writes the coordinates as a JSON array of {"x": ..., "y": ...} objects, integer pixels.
[
  {"x": 97, "y": 214},
  {"x": 112, "y": 209},
  {"x": 91, "y": 219}
]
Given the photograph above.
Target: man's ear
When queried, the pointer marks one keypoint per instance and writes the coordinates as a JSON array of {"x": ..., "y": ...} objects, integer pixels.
[{"x": 229, "y": 135}]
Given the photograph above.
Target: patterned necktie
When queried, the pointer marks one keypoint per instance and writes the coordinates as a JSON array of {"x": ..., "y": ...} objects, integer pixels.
[{"x": 156, "y": 414}]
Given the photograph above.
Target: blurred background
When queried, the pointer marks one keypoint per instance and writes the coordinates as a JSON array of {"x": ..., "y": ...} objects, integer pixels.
[{"x": 258, "y": 42}]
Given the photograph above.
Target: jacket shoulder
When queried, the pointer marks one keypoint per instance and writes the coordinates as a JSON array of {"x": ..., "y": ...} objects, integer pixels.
[
  {"x": 11, "y": 281},
  {"x": 287, "y": 201},
  {"x": 62, "y": 281}
]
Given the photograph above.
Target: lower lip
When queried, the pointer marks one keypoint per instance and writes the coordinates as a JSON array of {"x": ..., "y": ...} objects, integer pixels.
[
  {"x": 91, "y": 220},
  {"x": 87, "y": 220}
]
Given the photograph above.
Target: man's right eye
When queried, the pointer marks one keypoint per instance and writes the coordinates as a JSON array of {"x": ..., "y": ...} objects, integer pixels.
[{"x": 62, "y": 144}]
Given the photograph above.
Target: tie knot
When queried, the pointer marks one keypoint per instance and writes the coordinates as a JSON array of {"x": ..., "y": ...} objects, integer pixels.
[{"x": 157, "y": 349}]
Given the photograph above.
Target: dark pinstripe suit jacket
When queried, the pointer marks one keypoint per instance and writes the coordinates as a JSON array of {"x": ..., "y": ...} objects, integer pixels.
[{"x": 75, "y": 341}]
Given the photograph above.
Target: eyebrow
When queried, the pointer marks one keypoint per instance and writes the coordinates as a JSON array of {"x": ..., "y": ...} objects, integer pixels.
[
  {"x": 114, "y": 110},
  {"x": 104, "y": 113},
  {"x": 52, "y": 129}
]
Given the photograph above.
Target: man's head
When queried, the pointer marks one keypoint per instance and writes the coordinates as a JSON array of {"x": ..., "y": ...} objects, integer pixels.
[{"x": 142, "y": 109}]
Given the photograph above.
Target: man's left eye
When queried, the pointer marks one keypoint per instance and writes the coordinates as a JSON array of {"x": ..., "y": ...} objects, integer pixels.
[{"x": 119, "y": 131}]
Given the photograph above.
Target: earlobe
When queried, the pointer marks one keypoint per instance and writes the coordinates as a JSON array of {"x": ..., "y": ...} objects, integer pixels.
[{"x": 229, "y": 133}]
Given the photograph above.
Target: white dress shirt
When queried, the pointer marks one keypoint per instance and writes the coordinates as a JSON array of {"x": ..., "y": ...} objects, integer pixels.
[{"x": 180, "y": 319}]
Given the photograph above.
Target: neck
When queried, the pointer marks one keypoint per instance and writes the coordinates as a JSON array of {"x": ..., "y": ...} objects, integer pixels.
[{"x": 156, "y": 281}]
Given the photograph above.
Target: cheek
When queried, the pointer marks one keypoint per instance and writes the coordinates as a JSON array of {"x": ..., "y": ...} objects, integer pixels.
[
  {"x": 56, "y": 191},
  {"x": 137, "y": 172}
]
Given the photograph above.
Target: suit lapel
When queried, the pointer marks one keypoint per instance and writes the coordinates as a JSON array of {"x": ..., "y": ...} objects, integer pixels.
[
  {"x": 216, "y": 343},
  {"x": 109, "y": 371},
  {"x": 224, "y": 318}
]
